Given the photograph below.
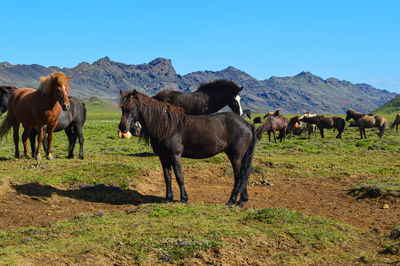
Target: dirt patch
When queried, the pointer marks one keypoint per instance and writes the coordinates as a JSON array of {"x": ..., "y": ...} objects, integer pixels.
[{"x": 39, "y": 205}]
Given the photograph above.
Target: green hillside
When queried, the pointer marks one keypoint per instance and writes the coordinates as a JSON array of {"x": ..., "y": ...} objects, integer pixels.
[{"x": 390, "y": 107}]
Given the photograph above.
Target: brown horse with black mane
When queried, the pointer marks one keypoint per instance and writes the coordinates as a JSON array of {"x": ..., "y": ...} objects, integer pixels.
[
  {"x": 35, "y": 109},
  {"x": 275, "y": 122},
  {"x": 363, "y": 121},
  {"x": 323, "y": 122},
  {"x": 173, "y": 135}
]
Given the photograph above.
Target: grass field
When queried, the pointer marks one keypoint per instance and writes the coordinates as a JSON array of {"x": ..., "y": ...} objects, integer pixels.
[{"x": 106, "y": 208}]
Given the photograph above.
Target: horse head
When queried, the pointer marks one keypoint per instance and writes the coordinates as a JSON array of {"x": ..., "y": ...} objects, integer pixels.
[
  {"x": 235, "y": 101},
  {"x": 130, "y": 111},
  {"x": 61, "y": 89},
  {"x": 349, "y": 114},
  {"x": 5, "y": 93}
]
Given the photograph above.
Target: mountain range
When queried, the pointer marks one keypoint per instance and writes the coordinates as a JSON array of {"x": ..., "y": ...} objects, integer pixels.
[{"x": 305, "y": 91}]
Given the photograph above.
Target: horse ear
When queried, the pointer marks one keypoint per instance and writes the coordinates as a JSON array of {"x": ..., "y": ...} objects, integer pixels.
[
  {"x": 134, "y": 92},
  {"x": 68, "y": 78},
  {"x": 121, "y": 92},
  {"x": 240, "y": 89},
  {"x": 53, "y": 76}
]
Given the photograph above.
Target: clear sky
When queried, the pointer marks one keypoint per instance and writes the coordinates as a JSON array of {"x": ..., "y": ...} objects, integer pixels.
[{"x": 358, "y": 41}]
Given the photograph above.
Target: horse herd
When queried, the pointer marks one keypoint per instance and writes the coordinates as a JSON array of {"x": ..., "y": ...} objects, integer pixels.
[{"x": 175, "y": 124}]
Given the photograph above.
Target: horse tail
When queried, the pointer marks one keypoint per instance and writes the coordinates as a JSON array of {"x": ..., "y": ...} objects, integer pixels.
[
  {"x": 382, "y": 128},
  {"x": 245, "y": 167},
  {"x": 6, "y": 125}
]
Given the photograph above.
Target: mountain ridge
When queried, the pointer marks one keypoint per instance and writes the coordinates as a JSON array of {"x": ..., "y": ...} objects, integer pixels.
[{"x": 293, "y": 94}]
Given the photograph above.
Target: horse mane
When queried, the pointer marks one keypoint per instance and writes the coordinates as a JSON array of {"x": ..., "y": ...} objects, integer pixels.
[
  {"x": 47, "y": 83},
  {"x": 159, "y": 120},
  {"x": 7, "y": 88},
  {"x": 220, "y": 84}
]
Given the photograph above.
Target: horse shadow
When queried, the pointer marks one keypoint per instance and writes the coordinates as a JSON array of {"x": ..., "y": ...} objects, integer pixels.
[
  {"x": 98, "y": 193},
  {"x": 142, "y": 154}
]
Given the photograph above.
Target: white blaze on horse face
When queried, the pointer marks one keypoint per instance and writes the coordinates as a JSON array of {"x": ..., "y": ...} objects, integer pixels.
[{"x": 237, "y": 98}]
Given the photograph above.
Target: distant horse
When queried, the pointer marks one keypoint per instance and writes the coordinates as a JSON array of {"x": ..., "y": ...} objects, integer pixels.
[
  {"x": 209, "y": 98},
  {"x": 363, "y": 121},
  {"x": 276, "y": 113},
  {"x": 326, "y": 122},
  {"x": 257, "y": 120},
  {"x": 311, "y": 128},
  {"x": 396, "y": 122},
  {"x": 247, "y": 113},
  {"x": 5, "y": 94},
  {"x": 37, "y": 108},
  {"x": 72, "y": 122},
  {"x": 294, "y": 126},
  {"x": 273, "y": 124},
  {"x": 173, "y": 135}
]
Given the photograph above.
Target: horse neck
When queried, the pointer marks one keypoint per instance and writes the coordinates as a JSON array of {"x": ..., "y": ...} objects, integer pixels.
[
  {"x": 213, "y": 101},
  {"x": 49, "y": 101},
  {"x": 357, "y": 115}
]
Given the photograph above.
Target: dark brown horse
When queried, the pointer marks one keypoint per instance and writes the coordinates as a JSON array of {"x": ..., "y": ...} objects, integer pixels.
[
  {"x": 396, "y": 122},
  {"x": 274, "y": 123},
  {"x": 209, "y": 98},
  {"x": 323, "y": 122},
  {"x": 5, "y": 93},
  {"x": 35, "y": 109},
  {"x": 294, "y": 127},
  {"x": 363, "y": 121},
  {"x": 173, "y": 135}
]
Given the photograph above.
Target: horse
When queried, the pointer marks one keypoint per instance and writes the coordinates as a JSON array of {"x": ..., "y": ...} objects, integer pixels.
[
  {"x": 174, "y": 134},
  {"x": 247, "y": 113},
  {"x": 257, "y": 120},
  {"x": 274, "y": 123},
  {"x": 37, "y": 108},
  {"x": 5, "y": 93},
  {"x": 71, "y": 121},
  {"x": 326, "y": 122},
  {"x": 209, "y": 98},
  {"x": 363, "y": 121},
  {"x": 294, "y": 126},
  {"x": 311, "y": 128},
  {"x": 396, "y": 122}
]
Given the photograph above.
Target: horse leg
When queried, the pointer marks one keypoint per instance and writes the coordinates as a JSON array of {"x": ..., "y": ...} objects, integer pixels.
[
  {"x": 40, "y": 140},
  {"x": 361, "y": 133},
  {"x": 78, "y": 131},
  {"x": 50, "y": 131},
  {"x": 72, "y": 140},
  {"x": 365, "y": 136},
  {"x": 177, "y": 166},
  {"x": 166, "y": 165},
  {"x": 32, "y": 140},
  {"x": 269, "y": 136},
  {"x": 25, "y": 136},
  {"x": 236, "y": 187},
  {"x": 273, "y": 132},
  {"x": 321, "y": 130},
  {"x": 16, "y": 139},
  {"x": 397, "y": 126}
]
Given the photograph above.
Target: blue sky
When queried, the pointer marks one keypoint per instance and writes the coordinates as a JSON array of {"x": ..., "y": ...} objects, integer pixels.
[{"x": 357, "y": 41}]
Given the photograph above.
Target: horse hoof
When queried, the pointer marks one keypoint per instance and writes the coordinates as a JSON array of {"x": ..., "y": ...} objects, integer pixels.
[
  {"x": 50, "y": 157},
  {"x": 230, "y": 203},
  {"x": 38, "y": 158},
  {"x": 80, "y": 157},
  {"x": 28, "y": 156},
  {"x": 167, "y": 200},
  {"x": 70, "y": 156}
]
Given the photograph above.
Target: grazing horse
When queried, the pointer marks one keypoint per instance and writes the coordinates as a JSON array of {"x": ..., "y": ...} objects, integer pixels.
[
  {"x": 396, "y": 122},
  {"x": 326, "y": 122},
  {"x": 173, "y": 135},
  {"x": 71, "y": 121},
  {"x": 247, "y": 113},
  {"x": 294, "y": 126},
  {"x": 37, "y": 108},
  {"x": 257, "y": 120},
  {"x": 5, "y": 93},
  {"x": 274, "y": 123},
  {"x": 209, "y": 98},
  {"x": 363, "y": 121},
  {"x": 311, "y": 128}
]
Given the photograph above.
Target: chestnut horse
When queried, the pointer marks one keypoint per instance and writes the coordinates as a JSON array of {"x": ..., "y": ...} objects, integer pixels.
[
  {"x": 363, "y": 121},
  {"x": 173, "y": 135},
  {"x": 294, "y": 126},
  {"x": 35, "y": 109}
]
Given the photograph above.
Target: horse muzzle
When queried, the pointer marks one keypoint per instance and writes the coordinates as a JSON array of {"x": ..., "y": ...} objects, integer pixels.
[{"x": 65, "y": 106}]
